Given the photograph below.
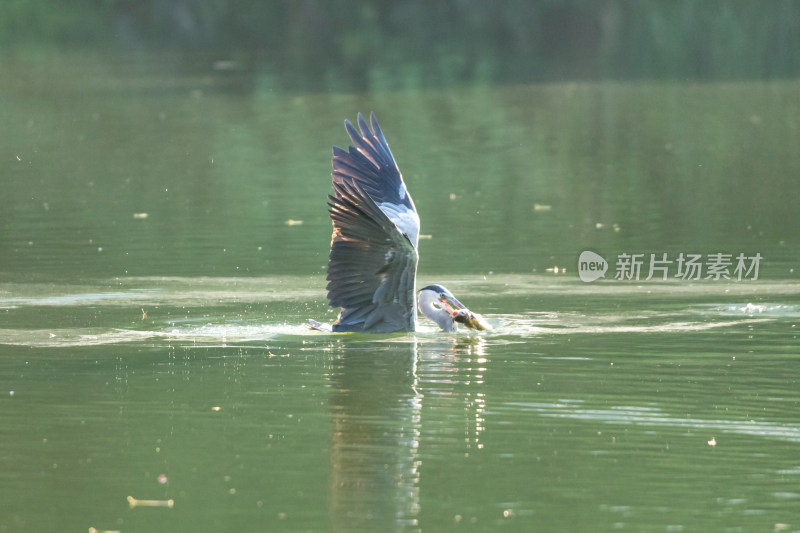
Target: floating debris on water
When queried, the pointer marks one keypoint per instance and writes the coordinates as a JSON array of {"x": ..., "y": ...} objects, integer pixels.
[
  {"x": 615, "y": 227},
  {"x": 133, "y": 502}
]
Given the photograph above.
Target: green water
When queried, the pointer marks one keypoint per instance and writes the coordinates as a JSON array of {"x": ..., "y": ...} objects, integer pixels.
[{"x": 153, "y": 301}]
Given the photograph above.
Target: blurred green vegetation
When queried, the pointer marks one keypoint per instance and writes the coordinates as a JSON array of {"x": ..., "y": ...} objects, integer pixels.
[{"x": 363, "y": 44}]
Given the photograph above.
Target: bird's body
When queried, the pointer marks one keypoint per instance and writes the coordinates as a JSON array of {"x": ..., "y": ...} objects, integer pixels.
[{"x": 373, "y": 261}]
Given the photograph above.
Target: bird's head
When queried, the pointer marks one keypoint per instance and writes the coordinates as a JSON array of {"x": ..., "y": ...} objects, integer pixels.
[{"x": 439, "y": 304}]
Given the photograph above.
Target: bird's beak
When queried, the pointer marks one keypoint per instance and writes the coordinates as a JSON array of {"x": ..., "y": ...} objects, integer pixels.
[
  {"x": 462, "y": 315},
  {"x": 452, "y": 305}
]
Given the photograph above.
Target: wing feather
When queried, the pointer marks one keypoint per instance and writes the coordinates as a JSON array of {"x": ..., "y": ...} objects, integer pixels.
[{"x": 373, "y": 259}]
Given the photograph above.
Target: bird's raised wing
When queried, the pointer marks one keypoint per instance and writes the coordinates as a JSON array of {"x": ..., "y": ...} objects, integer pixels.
[
  {"x": 373, "y": 261},
  {"x": 370, "y": 165}
]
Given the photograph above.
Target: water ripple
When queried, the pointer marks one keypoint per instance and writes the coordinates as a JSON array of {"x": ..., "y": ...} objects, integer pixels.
[{"x": 655, "y": 417}]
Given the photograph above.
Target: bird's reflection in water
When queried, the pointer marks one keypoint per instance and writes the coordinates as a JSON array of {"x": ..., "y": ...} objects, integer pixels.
[
  {"x": 452, "y": 348},
  {"x": 375, "y": 443},
  {"x": 453, "y": 371},
  {"x": 379, "y": 390}
]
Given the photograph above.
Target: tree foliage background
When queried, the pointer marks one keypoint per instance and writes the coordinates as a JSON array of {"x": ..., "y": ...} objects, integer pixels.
[{"x": 322, "y": 43}]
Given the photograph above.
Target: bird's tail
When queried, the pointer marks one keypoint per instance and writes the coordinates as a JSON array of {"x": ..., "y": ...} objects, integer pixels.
[{"x": 319, "y": 326}]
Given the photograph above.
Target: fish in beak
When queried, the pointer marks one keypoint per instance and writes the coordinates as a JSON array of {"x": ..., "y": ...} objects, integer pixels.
[
  {"x": 462, "y": 315},
  {"x": 471, "y": 320}
]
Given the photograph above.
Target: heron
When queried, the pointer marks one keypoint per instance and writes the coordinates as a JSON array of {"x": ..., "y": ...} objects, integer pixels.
[{"x": 372, "y": 268}]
